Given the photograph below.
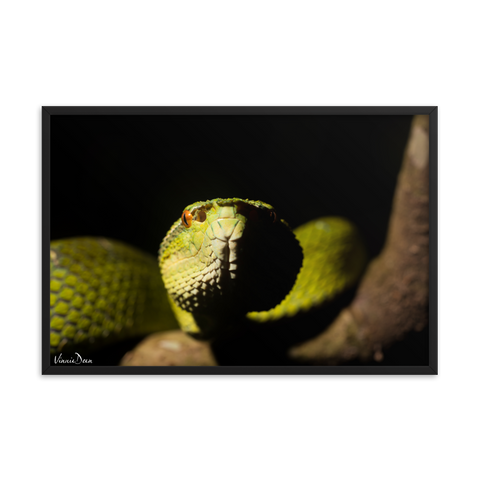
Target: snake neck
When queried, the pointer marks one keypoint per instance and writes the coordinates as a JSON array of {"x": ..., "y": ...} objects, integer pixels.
[{"x": 233, "y": 258}]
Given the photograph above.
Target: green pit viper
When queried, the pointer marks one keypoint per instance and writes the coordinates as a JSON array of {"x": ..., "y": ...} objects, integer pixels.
[{"x": 223, "y": 262}]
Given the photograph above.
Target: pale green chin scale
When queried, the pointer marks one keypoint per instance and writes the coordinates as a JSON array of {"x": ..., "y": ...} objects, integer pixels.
[{"x": 234, "y": 258}]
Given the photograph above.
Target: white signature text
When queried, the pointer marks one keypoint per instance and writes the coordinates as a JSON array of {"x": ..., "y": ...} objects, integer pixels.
[{"x": 76, "y": 360}]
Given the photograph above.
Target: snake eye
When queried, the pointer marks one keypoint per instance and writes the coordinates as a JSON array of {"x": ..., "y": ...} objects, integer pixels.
[
  {"x": 187, "y": 218},
  {"x": 273, "y": 216}
]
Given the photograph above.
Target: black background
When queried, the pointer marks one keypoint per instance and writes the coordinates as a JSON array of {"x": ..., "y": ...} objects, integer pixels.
[{"x": 130, "y": 177}]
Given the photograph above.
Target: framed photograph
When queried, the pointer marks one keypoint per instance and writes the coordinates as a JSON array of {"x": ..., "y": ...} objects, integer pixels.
[{"x": 128, "y": 173}]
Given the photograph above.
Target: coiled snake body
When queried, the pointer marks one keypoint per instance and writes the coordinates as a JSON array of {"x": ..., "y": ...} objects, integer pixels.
[{"x": 225, "y": 261}]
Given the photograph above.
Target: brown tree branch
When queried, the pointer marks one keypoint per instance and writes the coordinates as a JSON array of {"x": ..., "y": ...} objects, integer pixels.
[
  {"x": 392, "y": 299},
  {"x": 171, "y": 348}
]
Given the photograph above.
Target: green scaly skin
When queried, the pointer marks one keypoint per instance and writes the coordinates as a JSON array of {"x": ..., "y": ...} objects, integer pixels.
[
  {"x": 236, "y": 261},
  {"x": 103, "y": 291},
  {"x": 334, "y": 259}
]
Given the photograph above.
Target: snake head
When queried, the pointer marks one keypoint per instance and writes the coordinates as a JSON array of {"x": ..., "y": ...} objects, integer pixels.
[{"x": 226, "y": 257}]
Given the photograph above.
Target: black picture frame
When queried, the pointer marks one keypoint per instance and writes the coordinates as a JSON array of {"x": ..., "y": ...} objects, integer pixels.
[{"x": 49, "y": 114}]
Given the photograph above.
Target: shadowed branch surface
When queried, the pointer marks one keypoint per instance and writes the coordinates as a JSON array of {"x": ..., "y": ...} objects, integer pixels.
[{"x": 392, "y": 299}]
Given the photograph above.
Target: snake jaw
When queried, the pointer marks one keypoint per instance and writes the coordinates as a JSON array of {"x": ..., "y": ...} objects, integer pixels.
[{"x": 203, "y": 265}]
